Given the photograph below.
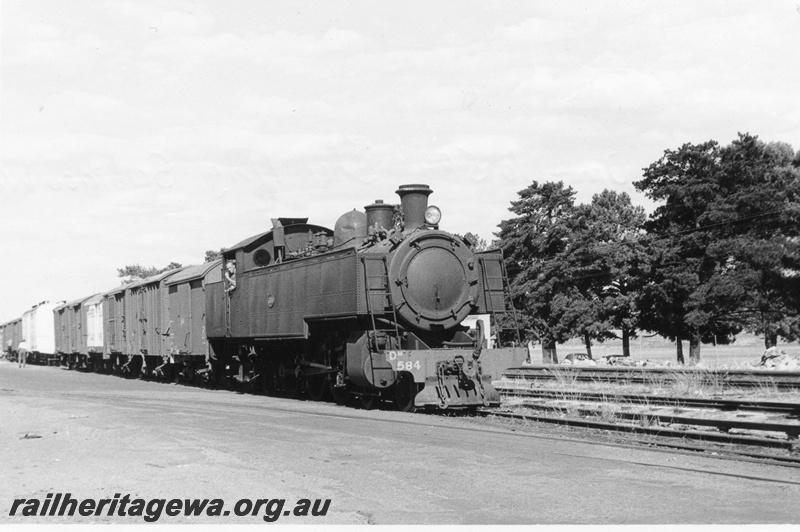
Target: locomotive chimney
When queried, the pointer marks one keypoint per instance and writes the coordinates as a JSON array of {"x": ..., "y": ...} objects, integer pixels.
[{"x": 414, "y": 201}]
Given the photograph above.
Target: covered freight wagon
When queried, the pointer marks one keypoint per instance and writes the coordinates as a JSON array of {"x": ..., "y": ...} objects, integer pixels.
[
  {"x": 70, "y": 338},
  {"x": 38, "y": 330},
  {"x": 146, "y": 319},
  {"x": 186, "y": 332}
]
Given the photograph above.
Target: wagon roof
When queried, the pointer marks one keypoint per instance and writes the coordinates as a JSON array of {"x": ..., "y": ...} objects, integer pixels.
[
  {"x": 74, "y": 303},
  {"x": 95, "y": 299},
  {"x": 117, "y": 290},
  {"x": 155, "y": 278},
  {"x": 190, "y": 273}
]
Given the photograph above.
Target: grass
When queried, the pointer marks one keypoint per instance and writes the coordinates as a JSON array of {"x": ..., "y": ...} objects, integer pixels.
[
  {"x": 690, "y": 382},
  {"x": 564, "y": 377}
]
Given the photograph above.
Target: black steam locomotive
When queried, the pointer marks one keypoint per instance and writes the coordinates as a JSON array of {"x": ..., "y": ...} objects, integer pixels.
[{"x": 372, "y": 309}]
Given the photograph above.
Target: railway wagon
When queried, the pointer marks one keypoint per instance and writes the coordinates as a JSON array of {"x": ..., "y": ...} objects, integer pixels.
[
  {"x": 371, "y": 309},
  {"x": 38, "y": 330},
  {"x": 7, "y": 343},
  {"x": 146, "y": 318},
  {"x": 70, "y": 326},
  {"x": 79, "y": 333},
  {"x": 93, "y": 351},
  {"x": 13, "y": 336},
  {"x": 114, "y": 327},
  {"x": 3, "y": 351},
  {"x": 187, "y": 343},
  {"x": 61, "y": 333}
]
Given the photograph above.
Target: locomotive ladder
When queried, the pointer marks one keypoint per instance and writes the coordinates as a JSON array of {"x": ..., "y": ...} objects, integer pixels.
[
  {"x": 383, "y": 290},
  {"x": 487, "y": 295}
]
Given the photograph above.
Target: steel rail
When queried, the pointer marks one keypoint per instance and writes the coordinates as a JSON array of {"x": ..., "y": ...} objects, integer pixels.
[
  {"x": 720, "y": 452},
  {"x": 640, "y": 429},
  {"x": 786, "y": 380},
  {"x": 792, "y": 430}
]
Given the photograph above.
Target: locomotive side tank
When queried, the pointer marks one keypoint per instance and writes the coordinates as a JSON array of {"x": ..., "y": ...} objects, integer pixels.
[{"x": 372, "y": 309}]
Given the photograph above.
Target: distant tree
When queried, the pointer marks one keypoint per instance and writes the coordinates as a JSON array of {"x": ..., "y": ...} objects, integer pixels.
[
  {"x": 724, "y": 243},
  {"x": 757, "y": 249},
  {"x": 575, "y": 270},
  {"x": 606, "y": 258},
  {"x": 136, "y": 272},
  {"x": 212, "y": 255},
  {"x": 540, "y": 232},
  {"x": 673, "y": 303}
]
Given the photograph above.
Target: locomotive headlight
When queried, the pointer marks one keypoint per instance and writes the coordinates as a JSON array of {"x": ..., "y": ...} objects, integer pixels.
[{"x": 433, "y": 215}]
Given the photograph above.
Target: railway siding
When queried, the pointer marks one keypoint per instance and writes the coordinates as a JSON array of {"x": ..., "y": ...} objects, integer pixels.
[{"x": 719, "y": 408}]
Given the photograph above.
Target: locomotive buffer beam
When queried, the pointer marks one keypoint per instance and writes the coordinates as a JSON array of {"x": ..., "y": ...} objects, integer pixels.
[{"x": 444, "y": 378}]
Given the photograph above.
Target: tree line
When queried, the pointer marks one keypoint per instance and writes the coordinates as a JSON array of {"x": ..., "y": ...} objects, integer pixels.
[{"x": 718, "y": 256}]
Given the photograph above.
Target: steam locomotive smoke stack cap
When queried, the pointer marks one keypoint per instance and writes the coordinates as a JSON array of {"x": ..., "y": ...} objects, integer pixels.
[{"x": 414, "y": 200}]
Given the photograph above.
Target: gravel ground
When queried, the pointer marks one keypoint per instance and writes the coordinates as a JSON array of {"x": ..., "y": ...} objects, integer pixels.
[{"x": 97, "y": 435}]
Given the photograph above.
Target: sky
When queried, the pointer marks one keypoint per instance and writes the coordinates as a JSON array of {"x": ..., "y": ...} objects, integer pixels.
[{"x": 136, "y": 131}]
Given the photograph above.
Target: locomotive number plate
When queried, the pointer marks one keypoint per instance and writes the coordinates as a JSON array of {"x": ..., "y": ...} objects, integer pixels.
[{"x": 405, "y": 361}]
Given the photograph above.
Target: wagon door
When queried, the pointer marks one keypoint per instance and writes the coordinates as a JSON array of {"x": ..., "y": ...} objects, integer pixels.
[
  {"x": 175, "y": 318},
  {"x": 74, "y": 327},
  {"x": 198, "y": 320}
]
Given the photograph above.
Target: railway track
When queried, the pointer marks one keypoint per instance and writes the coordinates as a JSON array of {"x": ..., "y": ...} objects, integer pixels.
[
  {"x": 659, "y": 400},
  {"x": 670, "y": 421},
  {"x": 780, "y": 380},
  {"x": 720, "y": 445}
]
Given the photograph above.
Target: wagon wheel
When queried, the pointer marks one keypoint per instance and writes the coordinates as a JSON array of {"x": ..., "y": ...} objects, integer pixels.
[
  {"x": 316, "y": 386},
  {"x": 269, "y": 380},
  {"x": 405, "y": 390},
  {"x": 291, "y": 386},
  {"x": 187, "y": 375},
  {"x": 340, "y": 394}
]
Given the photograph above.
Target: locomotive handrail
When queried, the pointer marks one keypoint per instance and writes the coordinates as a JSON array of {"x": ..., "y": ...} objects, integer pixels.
[
  {"x": 391, "y": 301},
  {"x": 507, "y": 292},
  {"x": 487, "y": 292},
  {"x": 371, "y": 314}
]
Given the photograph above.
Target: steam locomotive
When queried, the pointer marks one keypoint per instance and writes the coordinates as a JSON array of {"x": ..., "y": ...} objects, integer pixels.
[{"x": 372, "y": 310}]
